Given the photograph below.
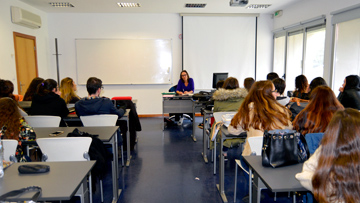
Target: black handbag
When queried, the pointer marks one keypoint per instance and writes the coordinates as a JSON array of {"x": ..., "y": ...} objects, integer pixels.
[
  {"x": 33, "y": 168},
  {"x": 283, "y": 148}
]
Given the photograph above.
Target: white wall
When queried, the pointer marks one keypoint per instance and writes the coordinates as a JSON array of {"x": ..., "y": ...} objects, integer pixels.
[
  {"x": 67, "y": 27},
  {"x": 307, "y": 9},
  {"x": 7, "y": 53},
  {"x": 264, "y": 46}
]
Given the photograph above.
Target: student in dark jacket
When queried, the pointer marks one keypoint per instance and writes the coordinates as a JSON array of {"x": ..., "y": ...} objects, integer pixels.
[
  {"x": 349, "y": 95},
  {"x": 46, "y": 100},
  {"x": 94, "y": 104}
]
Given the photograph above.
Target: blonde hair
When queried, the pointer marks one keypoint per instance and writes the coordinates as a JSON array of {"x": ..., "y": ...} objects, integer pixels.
[{"x": 67, "y": 91}]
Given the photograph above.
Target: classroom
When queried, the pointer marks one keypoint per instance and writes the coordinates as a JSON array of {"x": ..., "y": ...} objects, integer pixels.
[{"x": 261, "y": 39}]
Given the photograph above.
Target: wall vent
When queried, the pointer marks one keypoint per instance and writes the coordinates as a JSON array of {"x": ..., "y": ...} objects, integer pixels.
[{"x": 195, "y": 5}]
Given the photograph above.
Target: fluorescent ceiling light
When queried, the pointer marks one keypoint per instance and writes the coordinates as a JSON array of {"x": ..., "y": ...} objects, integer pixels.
[
  {"x": 195, "y": 5},
  {"x": 258, "y": 6},
  {"x": 129, "y": 4},
  {"x": 61, "y": 4}
]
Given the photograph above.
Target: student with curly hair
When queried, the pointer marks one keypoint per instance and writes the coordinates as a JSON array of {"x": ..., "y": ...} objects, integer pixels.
[
  {"x": 13, "y": 126},
  {"x": 333, "y": 172}
]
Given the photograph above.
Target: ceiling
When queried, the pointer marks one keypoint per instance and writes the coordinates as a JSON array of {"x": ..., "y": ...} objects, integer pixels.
[{"x": 157, "y": 6}]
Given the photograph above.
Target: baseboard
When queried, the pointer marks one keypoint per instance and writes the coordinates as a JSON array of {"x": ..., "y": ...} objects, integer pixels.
[{"x": 160, "y": 115}]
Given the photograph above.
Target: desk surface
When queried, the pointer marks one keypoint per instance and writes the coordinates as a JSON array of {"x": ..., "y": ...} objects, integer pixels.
[
  {"x": 277, "y": 179},
  {"x": 105, "y": 133},
  {"x": 61, "y": 183}
]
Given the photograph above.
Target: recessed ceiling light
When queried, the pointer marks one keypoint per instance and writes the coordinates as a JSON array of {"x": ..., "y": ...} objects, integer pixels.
[
  {"x": 195, "y": 5},
  {"x": 61, "y": 4},
  {"x": 129, "y": 4},
  {"x": 258, "y": 6}
]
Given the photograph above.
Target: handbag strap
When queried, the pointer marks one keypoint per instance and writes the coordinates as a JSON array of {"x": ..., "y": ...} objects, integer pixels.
[{"x": 21, "y": 191}]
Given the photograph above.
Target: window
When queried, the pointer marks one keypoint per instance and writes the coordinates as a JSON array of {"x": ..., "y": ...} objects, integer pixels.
[
  {"x": 347, "y": 52},
  {"x": 300, "y": 50}
]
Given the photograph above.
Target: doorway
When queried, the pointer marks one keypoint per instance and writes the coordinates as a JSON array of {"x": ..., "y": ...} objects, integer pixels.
[{"x": 26, "y": 60}]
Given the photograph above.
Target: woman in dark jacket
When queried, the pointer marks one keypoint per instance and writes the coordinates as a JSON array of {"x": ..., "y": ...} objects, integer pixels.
[
  {"x": 46, "y": 100},
  {"x": 349, "y": 95}
]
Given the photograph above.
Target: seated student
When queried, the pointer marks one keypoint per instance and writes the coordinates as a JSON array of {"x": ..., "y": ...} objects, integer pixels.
[
  {"x": 350, "y": 92},
  {"x": 259, "y": 112},
  {"x": 13, "y": 126},
  {"x": 271, "y": 76},
  {"x": 6, "y": 90},
  {"x": 227, "y": 99},
  {"x": 280, "y": 87},
  {"x": 248, "y": 82},
  {"x": 317, "y": 114},
  {"x": 31, "y": 90},
  {"x": 301, "y": 86},
  {"x": 94, "y": 104},
  {"x": 46, "y": 101},
  {"x": 332, "y": 173},
  {"x": 67, "y": 89}
]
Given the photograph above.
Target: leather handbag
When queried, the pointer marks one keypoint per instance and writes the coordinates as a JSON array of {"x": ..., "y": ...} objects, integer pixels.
[
  {"x": 33, "y": 168},
  {"x": 283, "y": 148},
  {"x": 21, "y": 191}
]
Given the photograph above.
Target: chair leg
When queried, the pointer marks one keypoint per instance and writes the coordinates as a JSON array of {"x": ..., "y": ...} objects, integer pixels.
[
  {"x": 236, "y": 171},
  {"x": 101, "y": 191},
  {"x": 122, "y": 155},
  {"x": 214, "y": 157}
]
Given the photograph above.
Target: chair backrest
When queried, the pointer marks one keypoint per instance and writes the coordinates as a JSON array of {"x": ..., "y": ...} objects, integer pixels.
[
  {"x": 9, "y": 147},
  {"x": 43, "y": 121},
  {"x": 255, "y": 145},
  {"x": 65, "y": 148},
  {"x": 218, "y": 115},
  {"x": 122, "y": 98},
  {"x": 313, "y": 141},
  {"x": 99, "y": 120}
]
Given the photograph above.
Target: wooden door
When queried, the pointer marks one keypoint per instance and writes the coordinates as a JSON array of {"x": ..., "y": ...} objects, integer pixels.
[{"x": 26, "y": 60}]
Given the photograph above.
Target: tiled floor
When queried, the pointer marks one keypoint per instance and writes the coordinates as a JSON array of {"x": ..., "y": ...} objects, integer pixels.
[{"x": 167, "y": 166}]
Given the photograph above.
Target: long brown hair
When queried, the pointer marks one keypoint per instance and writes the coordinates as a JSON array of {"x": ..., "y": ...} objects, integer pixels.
[
  {"x": 315, "y": 117},
  {"x": 9, "y": 118},
  {"x": 266, "y": 113},
  {"x": 32, "y": 88},
  {"x": 337, "y": 176},
  {"x": 67, "y": 89}
]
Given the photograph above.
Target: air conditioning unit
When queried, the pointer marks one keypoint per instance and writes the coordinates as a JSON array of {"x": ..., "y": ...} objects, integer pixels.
[
  {"x": 25, "y": 18},
  {"x": 239, "y": 2}
]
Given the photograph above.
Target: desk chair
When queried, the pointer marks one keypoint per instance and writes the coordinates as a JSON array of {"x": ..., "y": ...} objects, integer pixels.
[
  {"x": 67, "y": 149},
  {"x": 9, "y": 147},
  {"x": 43, "y": 121},
  {"x": 313, "y": 141},
  {"x": 102, "y": 120},
  {"x": 256, "y": 149}
]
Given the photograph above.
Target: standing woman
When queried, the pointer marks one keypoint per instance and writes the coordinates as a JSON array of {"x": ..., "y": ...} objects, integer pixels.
[
  {"x": 332, "y": 173},
  {"x": 13, "y": 126},
  {"x": 185, "y": 84},
  {"x": 349, "y": 95},
  {"x": 315, "y": 117},
  {"x": 47, "y": 101},
  {"x": 67, "y": 89},
  {"x": 259, "y": 112}
]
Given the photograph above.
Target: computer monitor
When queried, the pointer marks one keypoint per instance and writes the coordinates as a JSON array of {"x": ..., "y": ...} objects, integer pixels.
[{"x": 217, "y": 77}]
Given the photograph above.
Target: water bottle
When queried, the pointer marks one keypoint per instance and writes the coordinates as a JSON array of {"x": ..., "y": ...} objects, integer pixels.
[{"x": 1, "y": 159}]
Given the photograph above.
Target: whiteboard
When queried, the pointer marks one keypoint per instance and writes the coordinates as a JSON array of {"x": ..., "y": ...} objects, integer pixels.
[{"x": 124, "y": 61}]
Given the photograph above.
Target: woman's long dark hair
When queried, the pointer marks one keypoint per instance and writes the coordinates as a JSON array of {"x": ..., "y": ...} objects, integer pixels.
[
  {"x": 32, "y": 88},
  {"x": 9, "y": 118},
  {"x": 46, "y": 87},
  {"x": 337, "y": 176}
]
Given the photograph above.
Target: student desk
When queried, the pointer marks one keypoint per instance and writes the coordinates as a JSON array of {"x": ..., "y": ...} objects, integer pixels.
[
  {"x": 125, "y": 117},
  {"x": 108, "y": 135},
  {"x": 60, "y": 183},
  {"x": 276, "y": 179}
]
